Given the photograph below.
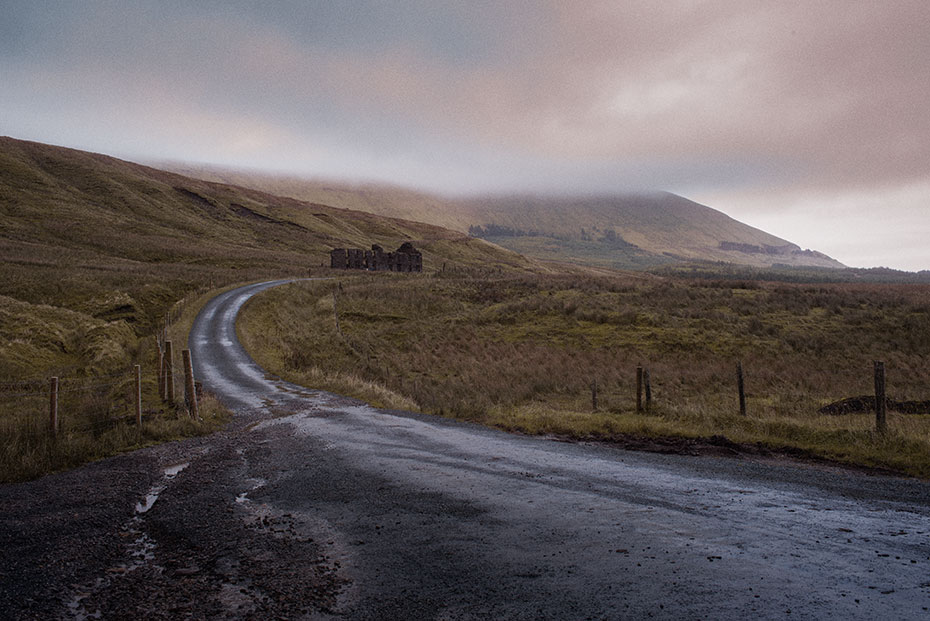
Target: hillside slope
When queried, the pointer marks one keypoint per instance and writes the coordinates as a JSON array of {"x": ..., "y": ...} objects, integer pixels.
[
  {"x": 614, "y": 231},
  {"x": 116, "y": 243}
]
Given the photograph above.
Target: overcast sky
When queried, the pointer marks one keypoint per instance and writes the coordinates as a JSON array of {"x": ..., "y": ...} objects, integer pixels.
[{"x": 808, "y": 119}]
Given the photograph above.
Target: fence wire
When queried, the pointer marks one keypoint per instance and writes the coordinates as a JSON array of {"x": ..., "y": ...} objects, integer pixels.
[{"x": 85, "y": 404}]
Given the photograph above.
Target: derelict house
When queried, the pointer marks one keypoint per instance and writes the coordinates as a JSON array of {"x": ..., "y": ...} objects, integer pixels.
[{"x": 404, "y": 259}]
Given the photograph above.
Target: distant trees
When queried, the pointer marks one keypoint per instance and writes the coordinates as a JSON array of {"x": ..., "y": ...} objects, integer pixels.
[
  {"x": 613, "y": 239},
  {"x": 496, "y": 230}
]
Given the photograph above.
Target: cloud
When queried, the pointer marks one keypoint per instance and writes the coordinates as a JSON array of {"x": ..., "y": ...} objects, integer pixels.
[
  {"x": 734, "y": 100},
  {"x": 877, "y": 226}
]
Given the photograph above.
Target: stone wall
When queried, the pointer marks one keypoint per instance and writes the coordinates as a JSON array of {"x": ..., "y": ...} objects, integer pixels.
[{"x": 405, "y": 259}]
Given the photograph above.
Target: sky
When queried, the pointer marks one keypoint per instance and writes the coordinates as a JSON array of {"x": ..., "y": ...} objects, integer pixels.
[{"x": 807, "y": 119}]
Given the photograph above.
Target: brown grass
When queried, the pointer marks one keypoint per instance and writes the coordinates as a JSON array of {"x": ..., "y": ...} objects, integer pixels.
[
  {"x": 521, "y": 354},
  {"x": 96, "y": 251}
]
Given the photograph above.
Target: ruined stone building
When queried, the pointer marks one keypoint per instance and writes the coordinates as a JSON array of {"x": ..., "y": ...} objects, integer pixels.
[{"x": 404, "y": 259}]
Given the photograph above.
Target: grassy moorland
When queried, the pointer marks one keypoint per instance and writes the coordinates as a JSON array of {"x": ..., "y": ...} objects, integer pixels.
[
  {"x": 97, "y": 250},
  {"x": 521, "y": 354},
  {"x": 96, "y": 390}
]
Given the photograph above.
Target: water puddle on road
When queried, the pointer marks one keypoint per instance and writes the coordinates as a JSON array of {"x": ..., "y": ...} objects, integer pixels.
[
  {"x": 256, "y": 484},
  {"x": 140, "y": 551},
  {"x": 158, "y": 488}
]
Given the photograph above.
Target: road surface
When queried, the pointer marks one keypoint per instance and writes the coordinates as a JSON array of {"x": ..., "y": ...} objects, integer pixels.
[{"x": 315, "y": 506}]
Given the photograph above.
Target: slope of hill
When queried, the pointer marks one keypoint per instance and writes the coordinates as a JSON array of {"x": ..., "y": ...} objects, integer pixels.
[
  {"x": 115, "y": 244},
  {"x": 622, "y": 231}
]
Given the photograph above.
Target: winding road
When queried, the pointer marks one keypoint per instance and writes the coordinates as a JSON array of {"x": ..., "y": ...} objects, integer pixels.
[{"x": 316, "y": 506}]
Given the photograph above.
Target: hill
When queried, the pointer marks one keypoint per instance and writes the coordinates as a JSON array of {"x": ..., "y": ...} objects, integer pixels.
[
  {"x": 99, "y": 253},
  {"x": 621, "y": 231},
  {"x": 97, "y": 249}
]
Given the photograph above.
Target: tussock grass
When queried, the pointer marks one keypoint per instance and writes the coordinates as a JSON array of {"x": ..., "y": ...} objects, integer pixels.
[
  {"x": 521, "y": 353},
  {"x": 96, "y": 412},
  {"x": 269, "y": 327},
  {"x": 88, "y": 432}
]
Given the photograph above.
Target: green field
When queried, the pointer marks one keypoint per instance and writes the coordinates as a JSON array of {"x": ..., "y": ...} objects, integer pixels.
[{"x": 522, "y": 354}]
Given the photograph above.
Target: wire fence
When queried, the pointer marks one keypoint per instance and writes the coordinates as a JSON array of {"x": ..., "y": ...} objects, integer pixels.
[
  {"x": 50, "y": 406},
  {"x": 51, "y": 423},
  {"x": 174, "y": 314},
  {"x": 80, "y": 405}
]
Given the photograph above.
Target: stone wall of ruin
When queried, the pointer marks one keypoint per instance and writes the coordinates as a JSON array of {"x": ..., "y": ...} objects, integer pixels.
[{"x": 406, "y": 259}]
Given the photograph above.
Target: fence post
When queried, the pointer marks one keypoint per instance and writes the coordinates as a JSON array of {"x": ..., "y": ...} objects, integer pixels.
[
  {"x": 138, "y": 395},
  {"x": 190, "y": 391},
  {"x": 647, "y": 383},
  {"x": 169, "y": 374},
  {"x": 880, "y": 422},
  {"x": 740, "y": 386},
  {"x": 639, "y": 389},
  {"x": 161, "y": 373},
  {"x": 336, "y": 314},
  {"x": 53, "y": 406},
  {"x": 594, "y": 396}
]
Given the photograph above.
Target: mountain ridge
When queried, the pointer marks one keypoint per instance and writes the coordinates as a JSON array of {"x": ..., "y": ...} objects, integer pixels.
[
  {"x": 652, "y": 228},
  {"x": 76, "y": 188}
]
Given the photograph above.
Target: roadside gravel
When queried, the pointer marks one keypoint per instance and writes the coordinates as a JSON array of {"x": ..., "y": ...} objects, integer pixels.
[{"x": 162, "y": 533}]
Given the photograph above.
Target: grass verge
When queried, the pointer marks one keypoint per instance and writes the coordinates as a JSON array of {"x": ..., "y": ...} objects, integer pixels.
[{"x": 96, "y": 413}]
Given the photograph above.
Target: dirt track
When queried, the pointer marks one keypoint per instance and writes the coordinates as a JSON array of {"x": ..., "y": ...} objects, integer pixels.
[{"x": 311, "y": 505}]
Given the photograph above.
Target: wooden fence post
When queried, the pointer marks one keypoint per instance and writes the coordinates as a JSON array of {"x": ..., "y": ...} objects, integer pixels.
[
  {"x": 594, "y": 396},
  {"x": 169, "y": 374},
  {"x": 190, "y": 391},
  {"x": 647, "y": 383},
  {"x": 639, "y": 389},
  {"x": 881, "y": 425},
  {"x": 161, "y": 373},
  {"x": 336, "y": 315},
  {"x": 740, "y": 386},
  {"x": 138, "y": 396},
  {"x": 53, "y": 406}
]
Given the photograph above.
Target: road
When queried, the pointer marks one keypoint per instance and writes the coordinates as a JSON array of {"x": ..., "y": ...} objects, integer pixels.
[{"x": 316, "y": 506}]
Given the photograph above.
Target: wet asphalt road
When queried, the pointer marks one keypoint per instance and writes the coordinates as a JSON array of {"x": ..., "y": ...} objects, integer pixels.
[{"x": 430, "y": 518}]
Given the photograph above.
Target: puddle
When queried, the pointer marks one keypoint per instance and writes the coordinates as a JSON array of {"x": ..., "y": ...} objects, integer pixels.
[
  {"x": 150, "y": 498},
  {"x": 76, "y": 605},
  {"x": 256, "y": 483},
  {"x": 173, "y": 471},
  {"x": 158, "y": 488},
  {"x": 140, "y": 552}
]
